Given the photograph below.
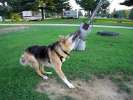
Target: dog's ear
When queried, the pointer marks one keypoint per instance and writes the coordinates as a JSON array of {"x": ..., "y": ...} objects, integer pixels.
[{"x": 61, "y": 37}]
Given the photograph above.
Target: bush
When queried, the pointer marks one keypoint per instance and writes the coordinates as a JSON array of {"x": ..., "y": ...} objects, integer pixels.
[
  {"x": 15, "y": 17},
  {"x": 119, "y": 21}
]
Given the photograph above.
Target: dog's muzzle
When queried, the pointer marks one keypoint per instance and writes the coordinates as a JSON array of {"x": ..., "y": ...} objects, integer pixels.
[
  {"x": 23, "y": 61},
  {"x": 75, "y": 36}
]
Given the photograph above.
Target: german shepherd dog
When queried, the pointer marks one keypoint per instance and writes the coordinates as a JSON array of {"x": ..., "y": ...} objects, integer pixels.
[{"x": 51, "y": 56}]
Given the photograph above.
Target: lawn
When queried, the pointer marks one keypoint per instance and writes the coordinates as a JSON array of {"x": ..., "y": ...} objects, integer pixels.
[
  {"x": 103, "y": 56},
  {"x": 97, "y": 21}
]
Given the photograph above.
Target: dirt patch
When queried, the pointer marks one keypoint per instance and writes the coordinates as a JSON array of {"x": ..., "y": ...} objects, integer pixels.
[
  {"x": 12, "y": 29},
  {"x": 96, "y": 89}
]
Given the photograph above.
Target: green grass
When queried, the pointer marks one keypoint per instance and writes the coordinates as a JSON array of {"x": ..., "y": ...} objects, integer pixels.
[
  {"x": 113, "y": 21},
  {"x": 103, "y": 56},
  {"x": 103, "y": 21}
]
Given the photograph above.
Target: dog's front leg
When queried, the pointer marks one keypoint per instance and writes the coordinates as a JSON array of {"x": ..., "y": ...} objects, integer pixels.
[
  {"x": 44, "y": 72},
  {"x": 63, "y": 77}
]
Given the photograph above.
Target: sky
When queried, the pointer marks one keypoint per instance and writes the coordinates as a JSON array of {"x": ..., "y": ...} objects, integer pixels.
[{"x": 114, "y": 5}]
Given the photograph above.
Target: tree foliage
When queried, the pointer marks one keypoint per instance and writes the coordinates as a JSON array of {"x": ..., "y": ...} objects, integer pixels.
[
  {"x": 90, "y": 5},
  {"x": 3, "y": 1},
  {"x": 4, "y": 9},
  {"x": 21, "y": 5},
  {"x": 127, "y": 3},
  {"x": 120, "y": 14},
  {"x": 46, "y": 4},
  {"x": 131, "y": 14},
  {"x": 54, "y": 5},
  {"x": 60, "y": 5},
  {"x": 87, "y": 5}
]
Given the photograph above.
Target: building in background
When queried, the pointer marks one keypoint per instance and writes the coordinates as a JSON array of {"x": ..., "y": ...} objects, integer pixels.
[{"x": 31, "y": 15}]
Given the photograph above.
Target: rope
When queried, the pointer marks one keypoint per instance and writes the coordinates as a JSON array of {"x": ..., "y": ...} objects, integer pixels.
[{"x": 95, "y": 11}]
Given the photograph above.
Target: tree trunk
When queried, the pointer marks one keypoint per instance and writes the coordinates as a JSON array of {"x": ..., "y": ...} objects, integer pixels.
[
  {"x": 3, "y": 18},
  {"x": 89, "y": 14},
  {"x": 62, "y": 14},
  {"x": 42, "y": 12}
]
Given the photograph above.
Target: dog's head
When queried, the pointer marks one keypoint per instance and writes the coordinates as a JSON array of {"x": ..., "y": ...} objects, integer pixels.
[
  {"x": 84, "y": 27},
  {"x": 68, "y": 42},
  {"x": 23, "y": 59}
]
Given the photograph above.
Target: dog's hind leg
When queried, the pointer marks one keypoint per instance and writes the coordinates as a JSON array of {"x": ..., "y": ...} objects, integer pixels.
[
  {"x": 62, "y": 76},
  {"x": 35, "y": 65},
  {"x": 38, "y": 71}
]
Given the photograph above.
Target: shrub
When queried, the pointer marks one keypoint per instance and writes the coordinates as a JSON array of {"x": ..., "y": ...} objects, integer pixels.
[{"x": 15, "y": 17}]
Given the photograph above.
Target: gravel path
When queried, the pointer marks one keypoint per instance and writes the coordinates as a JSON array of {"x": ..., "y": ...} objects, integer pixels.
[{"x": 12, "y": 29}]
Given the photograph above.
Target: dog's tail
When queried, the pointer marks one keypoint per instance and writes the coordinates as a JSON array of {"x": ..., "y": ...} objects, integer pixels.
[{"x": 23, "y": 59}]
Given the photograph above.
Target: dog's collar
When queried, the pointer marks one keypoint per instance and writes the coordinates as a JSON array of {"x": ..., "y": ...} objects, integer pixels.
[
  {"x": 64, "y": 51},
  {"x": 61, "y": 57}
]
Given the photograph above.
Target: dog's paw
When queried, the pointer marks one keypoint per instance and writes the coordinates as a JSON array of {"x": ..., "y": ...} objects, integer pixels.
[
  {"x": 71, "y": 86},
  {"x": 45, "y": 77}
]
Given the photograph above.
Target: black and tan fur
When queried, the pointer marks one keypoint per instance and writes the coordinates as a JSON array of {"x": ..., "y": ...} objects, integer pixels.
[{"x": 52, "y": 56}]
